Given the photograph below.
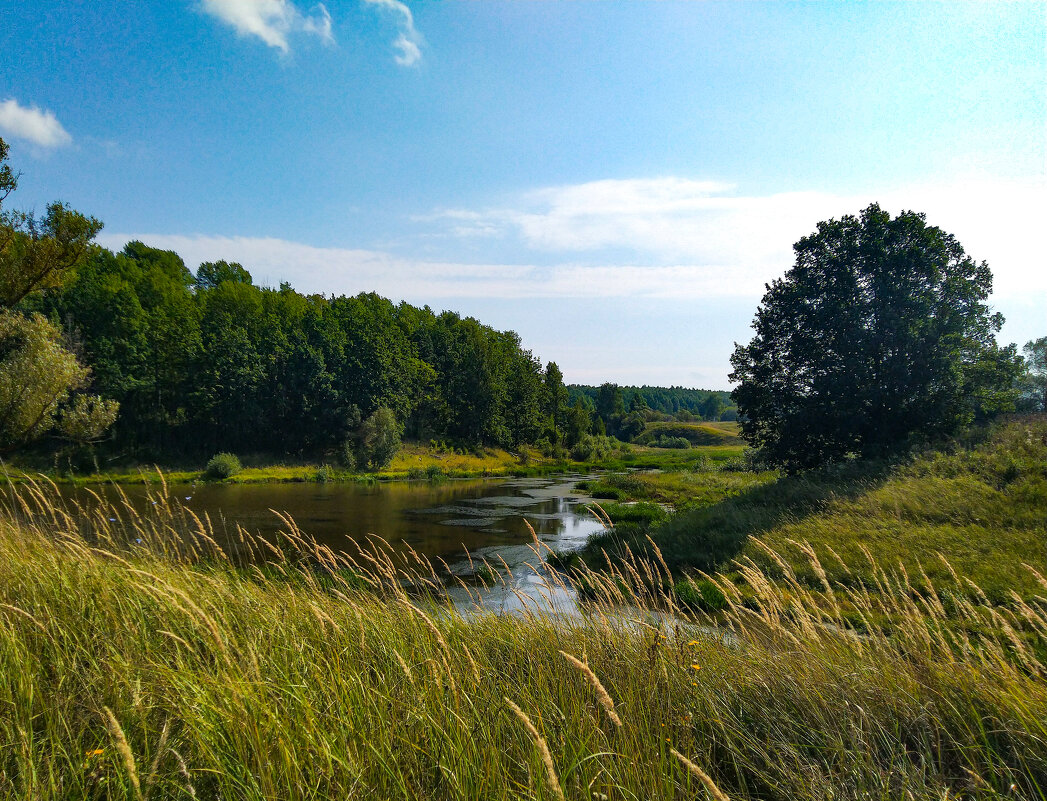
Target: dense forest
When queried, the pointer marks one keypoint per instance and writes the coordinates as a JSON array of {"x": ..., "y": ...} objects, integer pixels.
[
  {"x": 209, "y": 362},
  {"x": 679, "y": 402}
]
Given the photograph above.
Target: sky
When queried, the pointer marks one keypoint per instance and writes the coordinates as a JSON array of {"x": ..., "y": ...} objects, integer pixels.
[{"x": 614, "y": 181}]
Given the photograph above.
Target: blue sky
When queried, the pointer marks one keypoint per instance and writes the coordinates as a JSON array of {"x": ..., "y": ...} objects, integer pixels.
[{"x": 614, "y": 181}]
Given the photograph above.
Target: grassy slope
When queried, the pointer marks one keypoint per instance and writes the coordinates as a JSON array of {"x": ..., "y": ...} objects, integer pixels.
[
  {"x": 117, "y": 666},
  {"x": 695, "y": 433},
  {"x": 981, "y": 505}
]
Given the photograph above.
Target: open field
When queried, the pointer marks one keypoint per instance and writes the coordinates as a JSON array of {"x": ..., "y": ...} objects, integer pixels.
[{"x": 158, "y": 670}]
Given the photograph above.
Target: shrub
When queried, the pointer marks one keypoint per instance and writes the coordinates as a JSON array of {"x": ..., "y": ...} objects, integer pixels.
[
  {"x": 593, "y": 448},
  {"x": 222, "y": 466},
  {"x": 671, "y": 442},
  {"x": 751, "y": 461},
  {"x": 379, "y": 439},
  {"x": 700, "y": 464},
  {"x": 347, "y": 454}
]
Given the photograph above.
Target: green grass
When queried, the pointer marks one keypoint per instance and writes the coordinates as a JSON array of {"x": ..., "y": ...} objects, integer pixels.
[
  {"x": 978, "y": 504},
  {"x": 695, "y": 433},
  {"x": 673, "y": 488},
  {"x": 161, "y": 664},
  {"x": 413, "y": 460}
]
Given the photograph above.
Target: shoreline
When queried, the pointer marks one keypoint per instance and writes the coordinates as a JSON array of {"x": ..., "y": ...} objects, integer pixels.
[{"x": 413, "y": 463}]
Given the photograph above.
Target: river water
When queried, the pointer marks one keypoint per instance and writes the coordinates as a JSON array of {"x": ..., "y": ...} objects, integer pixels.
[{"x": 438, "y": 520}]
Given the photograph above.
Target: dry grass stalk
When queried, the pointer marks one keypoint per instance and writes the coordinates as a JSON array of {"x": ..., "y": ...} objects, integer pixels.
[
  {"x": 543, "y": 749},
  {"x": 161, "y": 749},
  {"x": 703, "y": 777},
  {"x": 601, "y": 693},
  {"x": 120, "y": 742},
  {"x": 403, "y": 664},
  {"x": 183, "y": 771}
]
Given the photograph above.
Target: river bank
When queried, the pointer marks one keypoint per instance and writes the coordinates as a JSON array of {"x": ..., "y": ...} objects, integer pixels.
[{"x": 414, "y": 461}]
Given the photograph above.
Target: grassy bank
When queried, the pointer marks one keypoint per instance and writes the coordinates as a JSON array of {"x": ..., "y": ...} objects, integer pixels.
[
  {"x": 414, "y": 461},
  {"x": 977, "y": 503},
  {"x": 157, "y": 670}
]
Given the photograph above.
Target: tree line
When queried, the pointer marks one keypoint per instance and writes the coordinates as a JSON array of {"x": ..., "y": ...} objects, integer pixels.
[
  {"x": 162, "y": 361},
  {"x": 679, "y": 402},
  {"x": 210, "y": 361}
]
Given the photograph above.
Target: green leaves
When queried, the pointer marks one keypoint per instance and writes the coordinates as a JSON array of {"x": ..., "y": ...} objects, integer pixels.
[
  {"x": 879, "y": 331},
  {"x": 36, "y": 376}
]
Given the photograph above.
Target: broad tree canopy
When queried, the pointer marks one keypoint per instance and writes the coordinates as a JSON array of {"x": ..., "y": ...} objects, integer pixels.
[{"x": 880, "y": 330}]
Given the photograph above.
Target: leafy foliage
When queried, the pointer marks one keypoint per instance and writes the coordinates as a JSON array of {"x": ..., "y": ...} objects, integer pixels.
[
  {"x": 36, "y": 376},
  {"x": 213, "y": 362},
  {"x": 879, "y": 331},
  {"x": 87, "y": 418},
  {"x": 37, "y": 252},
  {"x": 379, "y": 439},
  {"x": 222, "y": 466},
  {"x": 1034, "y": 383},
  {"x": 684, "y": 404}
]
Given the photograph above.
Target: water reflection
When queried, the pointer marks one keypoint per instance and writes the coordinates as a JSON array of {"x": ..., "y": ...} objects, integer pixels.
[{"x": 442, "y": 522}]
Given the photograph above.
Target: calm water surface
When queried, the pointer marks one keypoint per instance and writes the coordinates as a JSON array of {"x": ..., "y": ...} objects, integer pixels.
[{"x": 440, "y": 521}]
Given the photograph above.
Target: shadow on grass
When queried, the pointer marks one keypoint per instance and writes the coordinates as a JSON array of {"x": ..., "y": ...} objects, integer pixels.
[{"x": 708, "y": 537}]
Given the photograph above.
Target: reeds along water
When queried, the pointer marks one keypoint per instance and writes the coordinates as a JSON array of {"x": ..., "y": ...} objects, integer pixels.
[{"x": 147, "y": 655}]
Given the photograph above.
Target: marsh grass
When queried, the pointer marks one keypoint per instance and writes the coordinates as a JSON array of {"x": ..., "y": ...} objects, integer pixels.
[{"x": 139, "y": 659}]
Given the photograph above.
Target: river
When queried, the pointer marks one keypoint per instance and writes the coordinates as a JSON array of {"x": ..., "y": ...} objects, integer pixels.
[{"x": 438, "y": 520}]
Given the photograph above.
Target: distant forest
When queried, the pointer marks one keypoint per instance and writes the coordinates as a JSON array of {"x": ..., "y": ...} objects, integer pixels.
[
  {"x": 208, "y": 362},
  {"x": 679, "y": 402}
]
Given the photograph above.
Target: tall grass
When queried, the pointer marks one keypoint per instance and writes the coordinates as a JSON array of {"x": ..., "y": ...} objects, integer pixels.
[{"x": 144, "y": 657}]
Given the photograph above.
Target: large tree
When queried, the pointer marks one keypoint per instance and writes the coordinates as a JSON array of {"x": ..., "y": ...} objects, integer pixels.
[{"x": 880, "y": 330}]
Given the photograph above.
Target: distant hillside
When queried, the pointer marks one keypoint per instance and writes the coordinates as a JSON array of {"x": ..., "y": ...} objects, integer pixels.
[
  {"x": 694, "y": 433},
  {"x": 707, "y": 404}
]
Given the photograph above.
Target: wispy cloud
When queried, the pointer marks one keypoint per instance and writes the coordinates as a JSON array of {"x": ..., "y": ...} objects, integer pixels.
[
  {"x": 714, "y": 231},
  {"x": 272, "y": 21},
  {"x": 34, "y": 125},
  {"x": 663, "y": 238},
  {"x": 408, "y": 42},
  {"x": 342, "y": 270}
]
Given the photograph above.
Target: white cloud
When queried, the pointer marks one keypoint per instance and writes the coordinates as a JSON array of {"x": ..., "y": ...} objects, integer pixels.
[
  {"x": 349, "y": 271},
  {"x": 272, "y": 21},
  {"x": 700, "y": 236},
  {"x": 32, "y": 124},
  {"x": 408, "y": 43},
  {"x": 661, "y": 238}
]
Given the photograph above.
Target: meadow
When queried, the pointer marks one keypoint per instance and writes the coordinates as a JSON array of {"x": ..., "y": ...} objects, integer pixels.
[{"x": 138, "y": 660}]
